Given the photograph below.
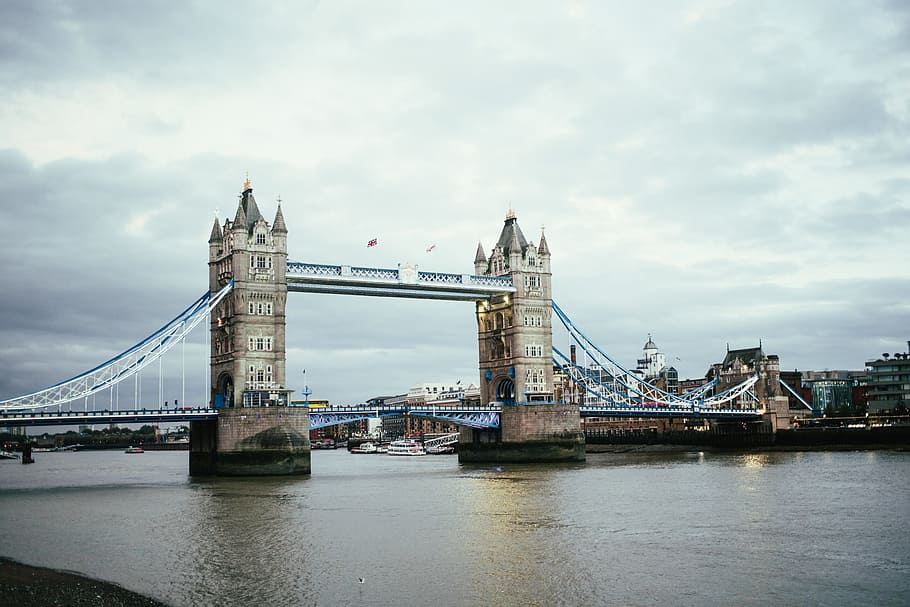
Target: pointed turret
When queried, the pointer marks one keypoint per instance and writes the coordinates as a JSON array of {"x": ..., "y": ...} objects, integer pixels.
[
  {"x": 480, "y": 260},
  {"x": 239, "y": 218},
  {"x": 216, "y": 233},
  {"x": 542, "y": 248},
  {"x": 278, "y": 225},
  {"x": 515, "y": 250}
]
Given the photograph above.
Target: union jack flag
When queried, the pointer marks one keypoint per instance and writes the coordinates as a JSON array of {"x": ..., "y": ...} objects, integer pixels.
[{"x": 373, "y": 242}]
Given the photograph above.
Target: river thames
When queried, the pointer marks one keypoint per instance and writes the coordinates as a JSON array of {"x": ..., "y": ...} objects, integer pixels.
[{"x": 685, "y": 528}]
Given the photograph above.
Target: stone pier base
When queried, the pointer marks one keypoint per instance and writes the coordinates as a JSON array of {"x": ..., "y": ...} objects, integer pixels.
[
  {"x": 528, "y": 433},
  {"x": 262, "y": 441}
]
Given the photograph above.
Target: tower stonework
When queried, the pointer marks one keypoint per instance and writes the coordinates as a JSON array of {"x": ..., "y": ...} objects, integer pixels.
[
  {"x": 515, "y": 344},
  {"x": 248, "y": 326},
  {"x": 256, "y": 433}
]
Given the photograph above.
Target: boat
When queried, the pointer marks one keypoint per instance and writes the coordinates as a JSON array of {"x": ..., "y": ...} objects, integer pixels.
[
  {"x": 364, "y": 448},
  {"x": 8, "y": 455},
  {"x": 406, "y": 447},
  {"x": 132, "y": 449}
]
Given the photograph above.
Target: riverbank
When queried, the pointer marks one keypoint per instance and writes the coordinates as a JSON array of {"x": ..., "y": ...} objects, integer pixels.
[
  {"x": 27, "y": 586},
  {"x": 665, "y": 448}
]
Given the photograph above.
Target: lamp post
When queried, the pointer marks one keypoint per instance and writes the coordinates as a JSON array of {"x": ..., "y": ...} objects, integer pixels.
[{"x": 306, "y": 390}]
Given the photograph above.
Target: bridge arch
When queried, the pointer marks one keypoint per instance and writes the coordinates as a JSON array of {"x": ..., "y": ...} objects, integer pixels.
[
  {"x": 505, "y": 391},
  {"x": 224, "y": 391}
]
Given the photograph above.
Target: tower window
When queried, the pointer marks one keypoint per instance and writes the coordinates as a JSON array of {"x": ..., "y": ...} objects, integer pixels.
[{"x": 260, "y": 238}]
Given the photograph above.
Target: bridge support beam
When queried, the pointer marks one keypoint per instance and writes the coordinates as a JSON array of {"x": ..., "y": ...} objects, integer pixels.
[
  {"x": 529, "y": 433},
  {"x": 263, "y": 441}
]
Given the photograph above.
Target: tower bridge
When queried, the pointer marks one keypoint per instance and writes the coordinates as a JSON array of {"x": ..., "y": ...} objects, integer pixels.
[{"x": 528, "y": 413}]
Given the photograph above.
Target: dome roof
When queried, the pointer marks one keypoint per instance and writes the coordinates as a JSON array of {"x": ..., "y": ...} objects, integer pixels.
[{"x": 650, "y": 345}]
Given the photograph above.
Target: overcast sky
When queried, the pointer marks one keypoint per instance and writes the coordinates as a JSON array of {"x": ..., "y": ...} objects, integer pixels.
[{"x": 712, "y": 173}]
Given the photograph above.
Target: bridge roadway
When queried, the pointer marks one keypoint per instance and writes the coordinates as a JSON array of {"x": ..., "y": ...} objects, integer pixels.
[{"x": 475, "y": 417}]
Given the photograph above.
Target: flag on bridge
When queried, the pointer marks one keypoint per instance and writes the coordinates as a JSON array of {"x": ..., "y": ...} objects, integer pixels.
[{"x": 373, "y": 242}]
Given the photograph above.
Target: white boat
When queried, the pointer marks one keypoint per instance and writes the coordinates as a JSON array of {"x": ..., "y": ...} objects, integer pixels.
[
  {"x": 8, "y": 455},
  {"x": 132, "y": 449},
  {"x": 364, "y": 448},
  {"x": 406, "y": 447}
]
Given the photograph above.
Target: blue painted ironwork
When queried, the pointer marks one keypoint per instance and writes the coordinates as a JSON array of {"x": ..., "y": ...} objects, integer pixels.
[
  {"x": 405, "y": 281},
  {"x": 815, "y": 412},
  {"x": 475, "y": 417},
  {"x": 83, "y": 418},
  {"x": 323, "y": 420},
  {"x": 472, "y": 419},
  {"x": 668, "y": 412},
  {"x": 127, "y": 363},
  {"x": 625, "y": 389}
]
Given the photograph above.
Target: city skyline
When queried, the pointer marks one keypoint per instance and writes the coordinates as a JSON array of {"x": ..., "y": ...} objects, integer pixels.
[{"x": 709, "y": 173}]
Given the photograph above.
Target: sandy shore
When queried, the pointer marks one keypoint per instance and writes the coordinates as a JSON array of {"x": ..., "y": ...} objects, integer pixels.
[{"x": 27, "y": 586}]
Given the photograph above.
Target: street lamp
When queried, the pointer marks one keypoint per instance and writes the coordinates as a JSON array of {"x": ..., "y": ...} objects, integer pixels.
[{"x": 306, "y": 390}]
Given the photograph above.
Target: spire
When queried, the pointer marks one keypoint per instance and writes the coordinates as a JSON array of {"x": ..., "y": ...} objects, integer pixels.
[
  {"x": 543, "y": 249},
  {"x": 514, "y": 244},
  {"x": 239, "y": 218},
  {"x": 250, "y": 208},
  {"x": 216, "y": 233},
  {"x": 279, "y": 226},
  {"x": 511, "y": 233},
  {"x": 480, "y": 257}
]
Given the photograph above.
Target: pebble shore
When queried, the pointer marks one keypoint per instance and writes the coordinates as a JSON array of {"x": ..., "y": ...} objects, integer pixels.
[{"x": 27, "y": 586}]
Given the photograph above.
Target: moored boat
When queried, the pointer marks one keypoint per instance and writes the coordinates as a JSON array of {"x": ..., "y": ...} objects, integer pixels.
[
  {"x": 364, "y": 448},
  {"x": 132, "y": 449},
  {"x": 406, "y": 447}
]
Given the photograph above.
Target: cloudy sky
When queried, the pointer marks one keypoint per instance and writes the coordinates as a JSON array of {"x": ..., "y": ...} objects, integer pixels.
[{"x": 710, "y": 172}]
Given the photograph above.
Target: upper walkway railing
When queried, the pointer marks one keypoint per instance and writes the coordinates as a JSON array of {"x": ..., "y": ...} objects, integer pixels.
[{"x": 404, "y": 281}]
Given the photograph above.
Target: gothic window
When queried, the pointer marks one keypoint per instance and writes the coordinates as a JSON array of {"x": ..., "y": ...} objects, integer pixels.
[
  {"x": 268, "y": 308},
  {"x": 252, "y": 344},
  {"x": 260, "y": 375},
  {"x": 260, "y": 238},
  {"x": 251, "y": 307},
  {"x": 260, "y": 262},
  {"x": 534, "y": 350},
  {"x": 252, "y": 373},
  {"x": 259, "y": 308},
  {"x": 252, "y": 261},
  {"x": 269, "y": 259},
  {"x": 268, "y": 373},
  {"x": 260, "y": 343}
]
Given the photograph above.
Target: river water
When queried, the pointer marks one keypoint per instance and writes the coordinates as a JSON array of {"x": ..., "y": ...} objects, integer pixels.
[{"x": 691, "y": 528}]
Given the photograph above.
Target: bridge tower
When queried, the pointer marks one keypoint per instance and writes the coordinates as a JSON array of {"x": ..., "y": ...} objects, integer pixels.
[
  {"x": 256, "y": 432},
  {"x": 515, "y": 342}
]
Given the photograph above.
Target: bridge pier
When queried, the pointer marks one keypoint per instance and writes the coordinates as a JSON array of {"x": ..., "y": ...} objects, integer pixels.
[
  {"x": 263, "y": 441},
  {"x": 537, "y": 432}
]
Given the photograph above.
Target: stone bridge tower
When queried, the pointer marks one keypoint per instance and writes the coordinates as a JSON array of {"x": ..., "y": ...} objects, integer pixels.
[
  {"x": 515, "y": 343},
  {"x": 255, "y": 433},
  {"x": 248, "y": 326}
]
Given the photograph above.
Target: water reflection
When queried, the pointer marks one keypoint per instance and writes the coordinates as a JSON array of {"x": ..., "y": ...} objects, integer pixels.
[{"x": 246, "y": 542}]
